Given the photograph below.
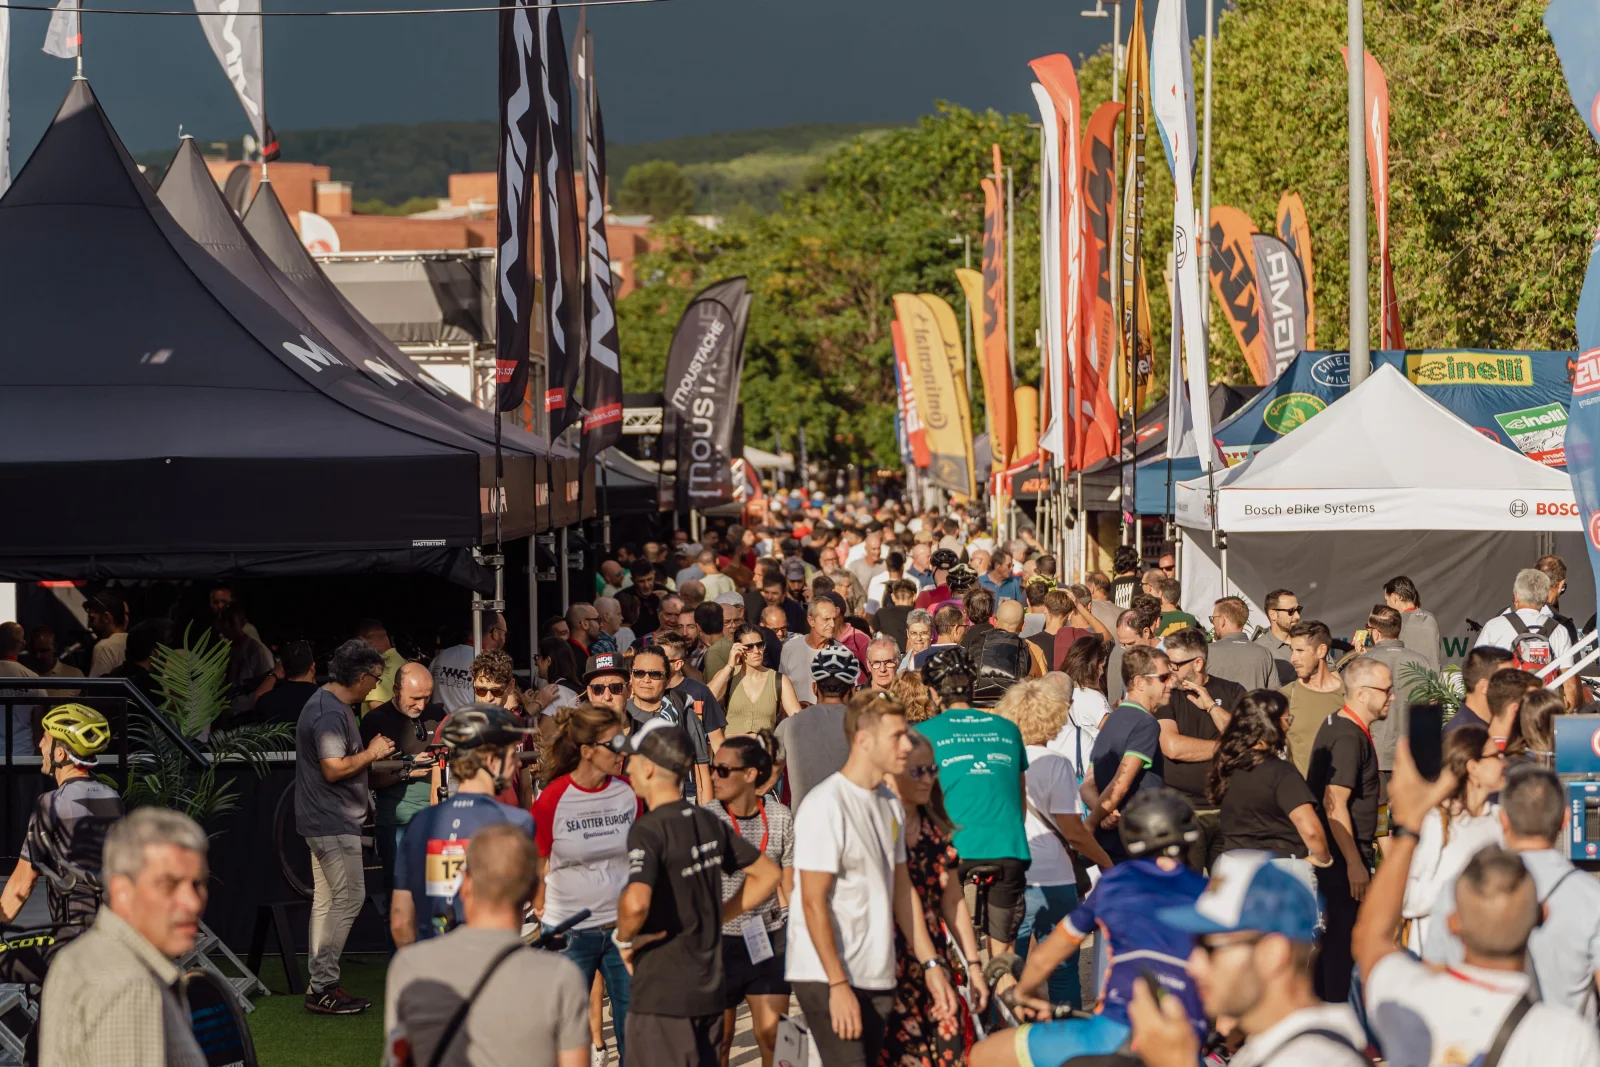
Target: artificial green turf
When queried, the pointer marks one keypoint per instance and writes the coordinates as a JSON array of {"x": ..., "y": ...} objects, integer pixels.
[{"x": 286, "y": 1035}]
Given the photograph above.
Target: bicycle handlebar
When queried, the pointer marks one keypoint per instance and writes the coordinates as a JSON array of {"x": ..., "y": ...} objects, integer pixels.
[{"x": 547, "y": 937}]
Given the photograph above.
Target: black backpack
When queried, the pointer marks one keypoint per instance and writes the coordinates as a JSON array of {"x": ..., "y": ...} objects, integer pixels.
[{"x": 1002, "y": 660}]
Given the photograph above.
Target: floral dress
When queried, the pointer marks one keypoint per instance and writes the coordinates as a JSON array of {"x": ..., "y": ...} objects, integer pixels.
[{"x": 915, "y": 1038}]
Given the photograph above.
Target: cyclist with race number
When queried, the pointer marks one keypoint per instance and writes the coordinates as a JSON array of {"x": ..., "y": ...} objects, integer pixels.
[
  {"x": 1157, "y": 828},
  {"x": 483, "y": 740},
  {"x": 65, "y": 838}
]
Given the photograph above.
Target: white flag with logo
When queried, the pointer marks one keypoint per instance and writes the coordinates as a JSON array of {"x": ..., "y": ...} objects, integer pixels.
[
  {"x": 1172, "y": 100},
  {"x": 233, "y": 27},
  {"x": 317, "y": 233},
  {"x": 64, "y": 38}
]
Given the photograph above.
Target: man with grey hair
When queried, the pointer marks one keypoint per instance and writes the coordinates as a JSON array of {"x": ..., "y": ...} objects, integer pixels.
[
  {"x": 1531, "y": 626},
  {"x": 795, "y": 659},
  {"x": 110, "y": 997},
  {"x": 331, "y": 797},
  {"x": 1423, "y": 1014},
  {"x": 883, "y": 659}
]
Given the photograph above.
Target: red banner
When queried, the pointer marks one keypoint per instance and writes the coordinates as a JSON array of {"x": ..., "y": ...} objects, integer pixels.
[
  {"x": 915, "y": 433},
  {"x": 1377, "y": 86}
]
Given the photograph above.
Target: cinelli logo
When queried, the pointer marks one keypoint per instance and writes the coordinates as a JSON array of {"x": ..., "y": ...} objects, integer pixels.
[{"x": 1469, "y": 368}]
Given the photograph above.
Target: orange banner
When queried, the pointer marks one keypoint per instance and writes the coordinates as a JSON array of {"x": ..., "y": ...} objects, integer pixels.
[
  {"x": 1100, "y": 196},
  {"x": 1233, "y": 279},
  {"x": 1296, "y": 233},
  {"x": 989, "y": 319},
  {"x": 1393, "y": 335}
]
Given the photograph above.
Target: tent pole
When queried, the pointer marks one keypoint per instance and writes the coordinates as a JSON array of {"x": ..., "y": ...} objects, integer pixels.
[
  {"x": 533, "y": 601},
  {"x": 477, "y": 623},
  {"x": 565, "y": 571},
  {"x": 605, "y": 513}
]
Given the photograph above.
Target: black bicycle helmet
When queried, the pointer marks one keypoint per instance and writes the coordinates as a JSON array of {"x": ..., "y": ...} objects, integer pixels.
[
  {"x": 1158, "y": 822},
  {"x": 944, "y": 559},
  {"x": 949, "y": 673},
  {"x": 481, "y": 726}
]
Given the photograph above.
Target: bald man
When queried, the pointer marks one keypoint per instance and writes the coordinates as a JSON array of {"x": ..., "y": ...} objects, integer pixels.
[
  {"x": 408, "y": 720},
  {"x": 775, "y": 628},
  {"x": 1008, "y": 617}
]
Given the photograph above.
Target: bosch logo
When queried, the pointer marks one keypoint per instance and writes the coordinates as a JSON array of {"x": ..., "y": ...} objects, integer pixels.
[
  {"x": 1594, "y": 742},
  {"x": 1555, "y": 509},
  {"x": 1519, "y": 509},
  {"x": 1590, "y": 849}
]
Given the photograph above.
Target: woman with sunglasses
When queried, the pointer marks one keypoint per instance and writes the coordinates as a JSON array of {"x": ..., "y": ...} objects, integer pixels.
[
  {"x": 1453, "y": 832},
  {"x": 754, "y": 696},
  {"x": 493, "y": 683},
  {"x": 582, "y": 818},
  {"x": 738, "y": 771},
  {"x": 915, "y": 1037}
]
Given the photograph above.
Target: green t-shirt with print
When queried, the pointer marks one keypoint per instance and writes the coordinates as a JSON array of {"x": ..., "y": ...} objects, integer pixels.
[{"x": 981, "y": 760}]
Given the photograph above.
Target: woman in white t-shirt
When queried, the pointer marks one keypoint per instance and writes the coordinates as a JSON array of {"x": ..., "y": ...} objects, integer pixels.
[
  {"x": 581, "y": 820},
  {"x": 1054, "y": 820},
  {"x": 1453, "y": 832},
  {"x": 1085, "y": 664}
]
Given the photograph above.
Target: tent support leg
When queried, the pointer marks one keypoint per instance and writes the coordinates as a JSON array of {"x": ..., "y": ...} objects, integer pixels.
[
  {"x": 533, "y": 603},
  {"x": 477, "y": 623},
  {"x": 565, "y": 572}
]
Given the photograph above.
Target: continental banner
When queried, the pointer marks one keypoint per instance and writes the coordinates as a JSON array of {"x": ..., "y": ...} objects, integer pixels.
[
  {"x": 1137, "y": 352},
  {"x": 994, "y": 415},
  {"x": 1233, "y": 279},
  {"x": 916, "y": 435},
  {"x": 1377, "y": 86},
  {"x": 938, "y": 402},
  {"x": 950, "y": 334},
  {"x": 1295, "y": 232},
  {"x": 1283, "y": 306}
]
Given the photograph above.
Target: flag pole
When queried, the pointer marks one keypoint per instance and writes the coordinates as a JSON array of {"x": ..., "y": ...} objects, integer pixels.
[
  {"x": 1204, "y": 222},
  {"x": 1360, "y": 339}
]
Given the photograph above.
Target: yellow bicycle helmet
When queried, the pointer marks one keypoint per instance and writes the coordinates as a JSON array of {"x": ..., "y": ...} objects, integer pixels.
[{"x": 82, "y": 729}]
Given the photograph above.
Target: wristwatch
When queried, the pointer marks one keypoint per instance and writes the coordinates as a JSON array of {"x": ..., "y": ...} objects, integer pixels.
[
  {"x": 932, "y": 961},
  {"x": 1398, "y": 832}
]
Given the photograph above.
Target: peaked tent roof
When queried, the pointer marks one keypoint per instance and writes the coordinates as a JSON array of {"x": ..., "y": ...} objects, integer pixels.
[
  {"x": 268, "y": 224},
  {"x": 1434, "y": 472},
  {"x": 157, "y": 417}
]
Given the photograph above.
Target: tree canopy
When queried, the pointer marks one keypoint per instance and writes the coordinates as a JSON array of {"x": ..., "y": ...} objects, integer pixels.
[{"x": 1494, "y": 189}]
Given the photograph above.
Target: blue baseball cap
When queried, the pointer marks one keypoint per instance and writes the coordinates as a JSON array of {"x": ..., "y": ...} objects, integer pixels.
[{"x": 1248, "y": 893}]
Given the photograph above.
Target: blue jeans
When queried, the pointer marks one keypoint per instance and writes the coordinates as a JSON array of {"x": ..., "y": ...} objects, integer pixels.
[
  {"x": 1043, "y": 907},
  {"x": 388, "y": 842},
  {"x": 593, "y": 950}
]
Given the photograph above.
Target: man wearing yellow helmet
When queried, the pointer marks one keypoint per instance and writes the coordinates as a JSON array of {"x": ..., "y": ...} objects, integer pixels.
[{"x": 66, "y": 835}]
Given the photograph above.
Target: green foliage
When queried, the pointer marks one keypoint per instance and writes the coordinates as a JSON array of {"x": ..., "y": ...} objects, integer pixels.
[
  {"x": 194, "y": 678},
  {"x": 1431, "y": 687},
  {"x": 410, "y": 207},
  {"x": 655, "y": 188},
  {"x": 878, "y": 220}
]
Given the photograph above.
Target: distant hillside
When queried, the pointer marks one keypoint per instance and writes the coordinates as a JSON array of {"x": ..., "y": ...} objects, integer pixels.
[{"x": 395, "y": 163}]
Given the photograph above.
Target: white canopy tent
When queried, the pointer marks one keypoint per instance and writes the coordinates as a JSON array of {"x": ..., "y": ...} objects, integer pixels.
[{"x": 1385, "y": 482}]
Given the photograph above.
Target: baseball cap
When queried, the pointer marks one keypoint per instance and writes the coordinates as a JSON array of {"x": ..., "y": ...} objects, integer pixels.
[
  {"x": 604, "y": 663},
  {"x": 662, "y": 743},
  {"x": 1248, "y": 893},
  {"x": 794, "y": 570},
  {"x": 835, "y": 663}
]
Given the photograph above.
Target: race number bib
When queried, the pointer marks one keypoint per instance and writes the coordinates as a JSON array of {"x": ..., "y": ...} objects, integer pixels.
[{"x": 442, "y": 869}]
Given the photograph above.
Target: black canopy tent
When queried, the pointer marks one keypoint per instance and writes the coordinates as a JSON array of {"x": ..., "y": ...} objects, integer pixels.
[{"x": 160, "y": 419}]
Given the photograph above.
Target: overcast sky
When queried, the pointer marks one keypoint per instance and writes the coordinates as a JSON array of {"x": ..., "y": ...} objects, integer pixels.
[{"x": 666, "y": 69}]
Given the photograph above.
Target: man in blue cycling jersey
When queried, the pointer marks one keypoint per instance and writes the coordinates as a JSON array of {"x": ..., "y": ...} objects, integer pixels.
[
  {"x": 1157, "y": 828},
  {"x": 483, "y": 741}
]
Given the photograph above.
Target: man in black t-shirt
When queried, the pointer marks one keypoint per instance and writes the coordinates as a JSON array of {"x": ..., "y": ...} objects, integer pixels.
[
  {"x": 670, "y": 916},
  {"x": 1344, "y": 778},
  {"x": 1191, "y": 724},
  {"x": 287, "y": 697},
  {"x": 409, "y": 719}
]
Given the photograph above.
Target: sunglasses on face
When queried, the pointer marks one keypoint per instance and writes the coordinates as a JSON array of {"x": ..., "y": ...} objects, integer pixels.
[
  {"x": 917, "y": 774},
  {"x": 1181, "y": 662},
  {"x": 875, "y": 664},
  {"x": 752, "y": 646},
  {"x": 722, "y": 770},
  {"x": 1289, "y": 611},
  {"x": 603, "y": 688},
  {"x": 1164, "y": 677},
  {"x": 617, "y": 746},
  {"x": 650, "y": 675},
  {"x": 495, "y": 691}
]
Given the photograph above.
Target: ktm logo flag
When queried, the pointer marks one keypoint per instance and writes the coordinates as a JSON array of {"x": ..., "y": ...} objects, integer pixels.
[{"x": 1233, "y": 279}]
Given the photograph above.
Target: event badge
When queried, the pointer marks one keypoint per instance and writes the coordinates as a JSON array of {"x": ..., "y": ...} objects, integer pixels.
[
  {"x": 756, "y": 941},
  {"x": 442, "y": 869}
]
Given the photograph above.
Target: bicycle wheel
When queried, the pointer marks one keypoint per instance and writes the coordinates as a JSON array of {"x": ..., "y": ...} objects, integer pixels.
[{"x": 294, "y": 856}]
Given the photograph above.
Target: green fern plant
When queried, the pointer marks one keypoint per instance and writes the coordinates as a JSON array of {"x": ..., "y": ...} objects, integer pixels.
[
  {"x": 1433, "y": 687},
  {"x": 194, "y": 678}
]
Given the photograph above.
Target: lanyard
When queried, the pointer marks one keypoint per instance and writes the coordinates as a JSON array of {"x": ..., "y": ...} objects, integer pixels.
[
  {"x": 761, "y": 809},
  {"x": 1353, "y": 717}
]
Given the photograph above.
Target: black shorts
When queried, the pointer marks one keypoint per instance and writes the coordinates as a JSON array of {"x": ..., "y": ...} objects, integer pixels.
[
  {"x": 1006, "y": 898},
  {"x": 746, "y": 979},
  {"x": 670, "y": 1041}
]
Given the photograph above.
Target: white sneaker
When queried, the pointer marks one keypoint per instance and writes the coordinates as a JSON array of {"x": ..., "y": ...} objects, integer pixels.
[{"x": 598, "y": 1057}]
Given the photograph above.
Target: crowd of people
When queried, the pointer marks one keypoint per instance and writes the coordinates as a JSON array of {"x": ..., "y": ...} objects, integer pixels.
[{"x": 905, "y": 786}]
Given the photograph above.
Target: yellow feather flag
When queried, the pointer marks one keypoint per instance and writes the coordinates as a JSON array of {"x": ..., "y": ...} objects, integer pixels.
[{"x": 941, "y": 390}]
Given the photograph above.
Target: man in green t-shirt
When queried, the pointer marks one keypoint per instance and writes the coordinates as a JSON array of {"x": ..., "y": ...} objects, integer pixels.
[
  {"x": 409, "y": 720},
  {"x": 1173, "y": 618},
  {"x": 982, "y": 764}
]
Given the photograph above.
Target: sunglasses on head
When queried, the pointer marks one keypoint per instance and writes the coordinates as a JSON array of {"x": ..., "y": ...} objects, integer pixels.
[
  {"x": 649, "y": 675},
  {"x": 602, "y": 688}
]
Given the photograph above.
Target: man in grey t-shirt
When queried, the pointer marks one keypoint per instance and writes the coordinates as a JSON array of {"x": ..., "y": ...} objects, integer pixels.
[
  {"x": 814, "y": 741},
  {"x": 330, "y": 802},
  {"x": 505, "y": 1025}
]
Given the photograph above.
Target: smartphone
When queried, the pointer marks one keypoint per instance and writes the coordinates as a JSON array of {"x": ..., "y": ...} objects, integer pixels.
[{"x": 1425, "y": 732}]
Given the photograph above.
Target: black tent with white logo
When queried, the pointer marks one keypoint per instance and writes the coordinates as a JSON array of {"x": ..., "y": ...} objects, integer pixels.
[{"x": 159, "y": 417}]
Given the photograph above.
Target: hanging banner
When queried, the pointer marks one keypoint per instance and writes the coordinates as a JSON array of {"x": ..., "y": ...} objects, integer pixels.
[
  {"x": 558, "y": 226},
  {"x": 971, "y": 282},
  {"x": 1283, "y": 306},
  {"x": 516, "y": 186},
  {"x": 1377, "y": 87},
  {"x": 1063, "y": 432},
  {"x": 1052, "y": 377},
  {"x": 1233, "y": 279},
  {"x": 700, "y": 394},
  {"x": 233, "y": 28},
  {"x": 1295, "y": 232},
  {"x": 1574, "y": 26},
  {"x": 916, "y": 433},
  {"x": 950, "y": 334},
  {"x": 989, "y": 315},
  {"x": 950, "y": 451},
  {"x": 1172, "y": 95},
  {"x": 1100, "y": 189},
  {"x": 602, "y": 369},
  {"x": 1137, "y": 354}
]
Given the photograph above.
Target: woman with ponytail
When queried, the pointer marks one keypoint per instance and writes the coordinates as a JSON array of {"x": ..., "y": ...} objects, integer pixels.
[
  {"x": 582, "y": 819},
  {"x": 738, "y": 770}
]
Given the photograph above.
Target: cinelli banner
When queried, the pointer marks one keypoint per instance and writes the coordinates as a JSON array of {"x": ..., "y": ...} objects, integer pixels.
[
  {"x": 950, "y": 463},
  {"x": 700, "y": 395}
]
